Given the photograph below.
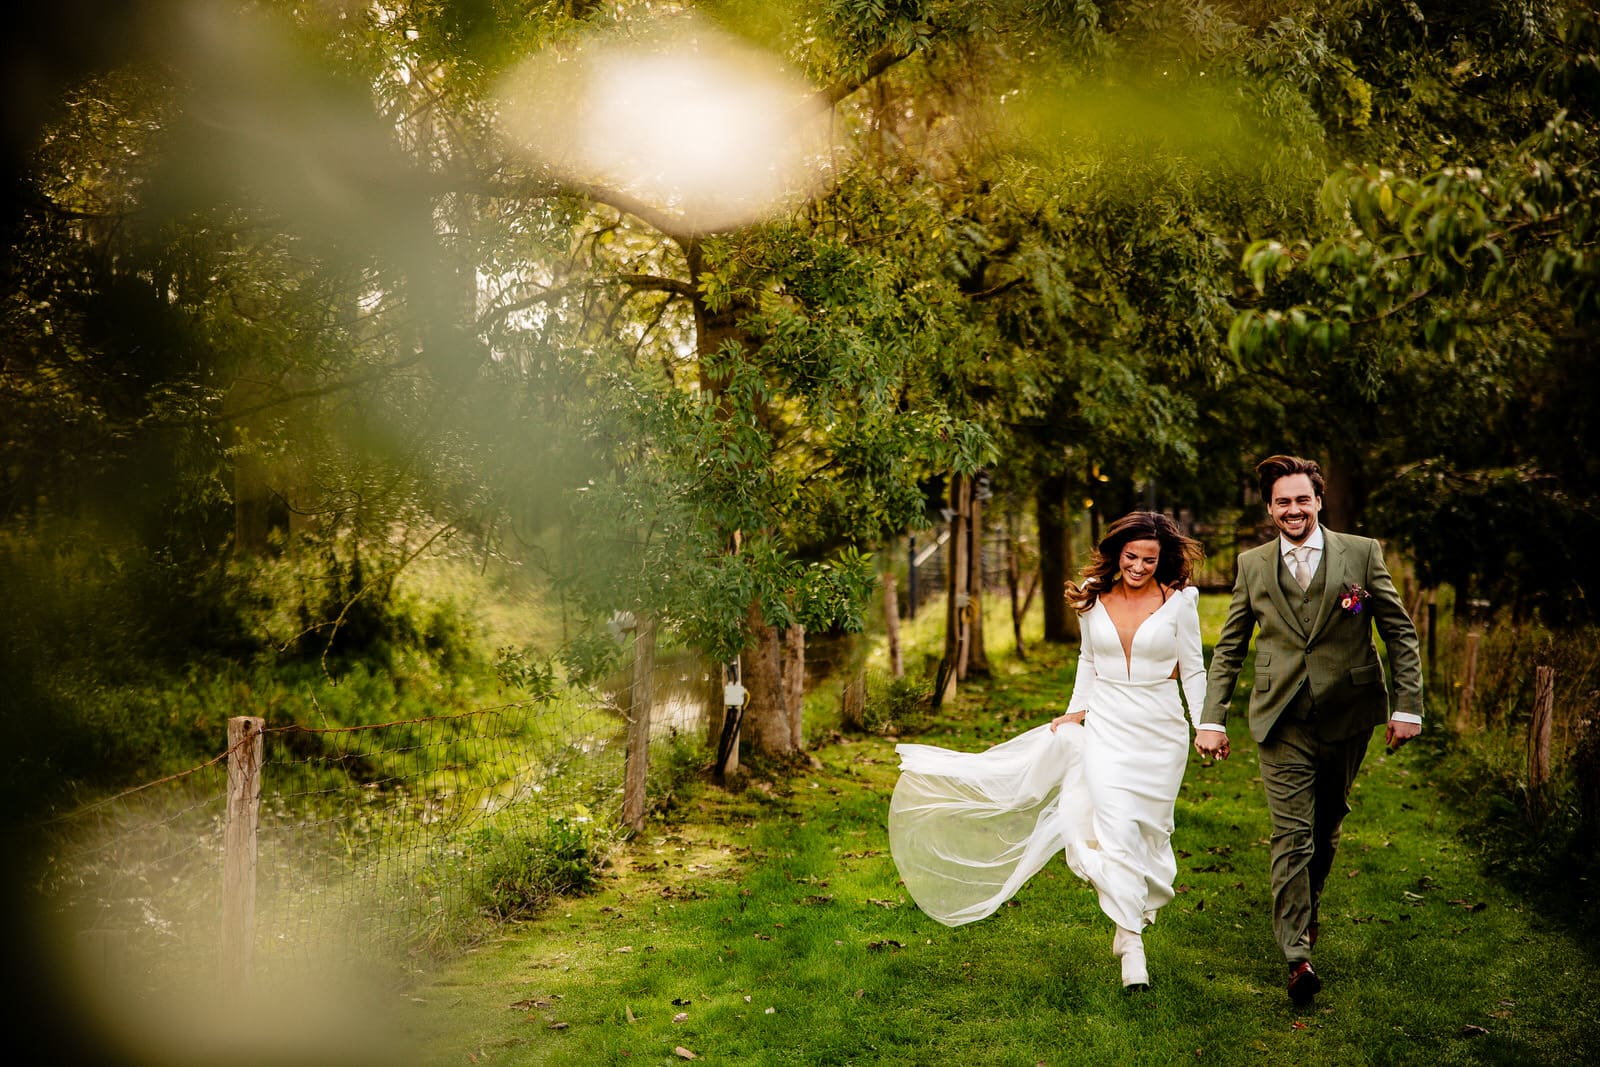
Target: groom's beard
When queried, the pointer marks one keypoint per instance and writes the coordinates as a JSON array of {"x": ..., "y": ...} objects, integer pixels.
[{"x": 1309, "y": 525}]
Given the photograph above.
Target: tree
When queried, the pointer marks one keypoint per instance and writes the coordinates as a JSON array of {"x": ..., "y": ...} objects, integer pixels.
[{"x": 1463, "y": 295}]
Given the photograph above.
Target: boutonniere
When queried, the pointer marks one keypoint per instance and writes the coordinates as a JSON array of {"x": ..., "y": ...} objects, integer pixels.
[{"x": 1352, "y": 598}]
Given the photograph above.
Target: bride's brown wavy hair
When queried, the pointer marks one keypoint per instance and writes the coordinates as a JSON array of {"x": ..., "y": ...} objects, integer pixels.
[{"x": 1174, "y": 566}]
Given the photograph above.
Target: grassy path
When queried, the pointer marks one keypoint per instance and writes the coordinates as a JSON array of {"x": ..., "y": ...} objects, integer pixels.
[{"x": 768, "y": 927}]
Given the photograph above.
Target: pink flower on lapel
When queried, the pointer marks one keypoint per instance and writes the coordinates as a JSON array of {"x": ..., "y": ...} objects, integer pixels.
[{"x": 1352, "y": 598}]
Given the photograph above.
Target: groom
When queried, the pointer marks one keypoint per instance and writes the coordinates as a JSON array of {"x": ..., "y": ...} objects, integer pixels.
[{"x": 1312, "y": 596}]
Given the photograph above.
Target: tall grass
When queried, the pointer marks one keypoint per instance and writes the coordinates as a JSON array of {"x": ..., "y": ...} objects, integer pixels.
[{"x": 1546, "y": 838}]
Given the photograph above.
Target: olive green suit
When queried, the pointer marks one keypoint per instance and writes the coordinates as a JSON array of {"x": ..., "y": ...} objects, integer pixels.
[{"x": 1319, "y": 691}]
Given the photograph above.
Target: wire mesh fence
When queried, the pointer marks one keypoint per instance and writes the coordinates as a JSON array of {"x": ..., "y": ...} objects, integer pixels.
[{"x": 376, "y": 846}]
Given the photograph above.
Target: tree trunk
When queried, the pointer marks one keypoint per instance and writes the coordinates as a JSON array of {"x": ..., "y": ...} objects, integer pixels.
[
  {"x": 891, "y": 625},
  {"x": 794, "y": 682},
  {"x": 1019, "y": 602},
  {"x": 977, "y": 651},
  {"x": 766, "y": 718},
  {"x": 952, "y": 668},
  {"x": 257, "y": 510},
  {"x": 1343, "y": 494},
  {"x": 1055, "y": 560},
  {"x": 763, "y": 722}
]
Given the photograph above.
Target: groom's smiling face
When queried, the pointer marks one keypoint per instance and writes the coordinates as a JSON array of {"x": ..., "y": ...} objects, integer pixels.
[{"x": 1294, "y": 507}]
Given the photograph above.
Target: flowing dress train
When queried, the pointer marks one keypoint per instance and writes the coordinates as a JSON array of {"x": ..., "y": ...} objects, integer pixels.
[{"x": 967, "y": 829}]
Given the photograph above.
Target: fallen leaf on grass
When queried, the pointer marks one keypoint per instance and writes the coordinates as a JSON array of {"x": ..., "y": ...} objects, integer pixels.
[
  {"x": 885, "y": 943},
  {"x": 1470, "y": 905},
  {"x": 532, "y": 1002},
  {"x": 684, "y": 1054},
  {"x": 884, "y": 903},
  {"x": 1470, "y": 1030},
  {"x": 771, "y": 1011},
  {"x": 627, "y": 1009},
  {"x": 860, "y": 993},
  {"x": 681, "y": 1017},
  {"x": 1298, "y": 1025},
  {"x": 681, "y": 1002},
  {"x": 558, "y": 1026},
  {"x": 1352, "y": 873}
]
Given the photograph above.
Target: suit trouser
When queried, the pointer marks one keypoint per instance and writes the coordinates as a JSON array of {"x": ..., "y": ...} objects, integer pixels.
[{"x": 1307, "y": 780}]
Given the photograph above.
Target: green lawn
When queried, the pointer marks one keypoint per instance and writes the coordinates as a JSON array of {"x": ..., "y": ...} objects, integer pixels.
[{"x": 768, "y": 927}]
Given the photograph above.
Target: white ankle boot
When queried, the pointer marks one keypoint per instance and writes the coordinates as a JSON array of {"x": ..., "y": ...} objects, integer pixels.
[{"x": 1130, "y": 947}]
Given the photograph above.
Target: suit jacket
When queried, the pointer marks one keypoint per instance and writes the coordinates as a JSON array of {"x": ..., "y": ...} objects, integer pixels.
[{"x": 1336, "y": 657}]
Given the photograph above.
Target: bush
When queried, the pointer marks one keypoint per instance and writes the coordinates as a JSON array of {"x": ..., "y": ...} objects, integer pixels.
[
  {"x": 522, "y": 872},
  {"x": 880, "y": 704}
]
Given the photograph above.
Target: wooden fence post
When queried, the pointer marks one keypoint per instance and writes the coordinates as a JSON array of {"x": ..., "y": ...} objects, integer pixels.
[
  {"x": 1544, "y": 693},
  {"x": 641, "y": 695},
  {"x": 246, "y": 749},
  {"x": 1468, "y": 683}
]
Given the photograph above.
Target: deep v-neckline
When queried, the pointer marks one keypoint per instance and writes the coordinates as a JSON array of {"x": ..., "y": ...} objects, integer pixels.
[{"x": 1127, "y": 649}]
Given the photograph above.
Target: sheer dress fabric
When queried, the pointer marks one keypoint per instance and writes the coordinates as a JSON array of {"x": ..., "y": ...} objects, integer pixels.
[{"x": 968, "y": 829}]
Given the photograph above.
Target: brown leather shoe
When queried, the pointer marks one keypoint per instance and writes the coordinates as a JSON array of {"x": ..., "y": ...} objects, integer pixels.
[{"x": 1303, "y": 983}]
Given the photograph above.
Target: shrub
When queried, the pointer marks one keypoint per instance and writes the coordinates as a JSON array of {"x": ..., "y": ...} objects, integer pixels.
[
  {"x": 522, "y": 872},
  {"x": 879, "y": 704}
]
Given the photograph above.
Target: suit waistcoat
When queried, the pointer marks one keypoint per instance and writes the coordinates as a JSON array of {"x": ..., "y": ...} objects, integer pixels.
[{"x": 1304, "y": 602}]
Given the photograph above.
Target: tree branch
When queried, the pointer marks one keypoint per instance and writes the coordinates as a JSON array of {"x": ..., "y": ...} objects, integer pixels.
[
  {"x": 637, "y": 282},
  {"x": 877, "y": 63}
]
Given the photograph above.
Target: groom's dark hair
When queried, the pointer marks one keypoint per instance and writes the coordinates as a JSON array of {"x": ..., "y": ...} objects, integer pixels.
[{"x": 1272, "y": 468}]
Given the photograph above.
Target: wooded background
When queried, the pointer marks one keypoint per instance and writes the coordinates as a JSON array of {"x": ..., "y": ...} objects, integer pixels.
[{"x": 297, "y": 296}]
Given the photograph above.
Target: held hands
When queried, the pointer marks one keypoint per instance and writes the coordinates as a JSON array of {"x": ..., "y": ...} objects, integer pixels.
[
  {"x": 1075, "y": 717},
  {"x": 1211, "y": 744},
  {"x": 1398, "y": 733}
]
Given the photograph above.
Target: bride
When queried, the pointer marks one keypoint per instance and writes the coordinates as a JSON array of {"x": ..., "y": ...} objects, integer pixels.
[{"x": 1099, "y": 782}]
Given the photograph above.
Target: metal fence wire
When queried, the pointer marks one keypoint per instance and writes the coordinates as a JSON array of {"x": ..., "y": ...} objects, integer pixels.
[{"x": 375, "y": 845}]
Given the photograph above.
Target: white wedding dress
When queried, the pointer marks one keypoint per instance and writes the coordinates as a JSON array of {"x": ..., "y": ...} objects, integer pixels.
[{"x": 967, "y": 829}]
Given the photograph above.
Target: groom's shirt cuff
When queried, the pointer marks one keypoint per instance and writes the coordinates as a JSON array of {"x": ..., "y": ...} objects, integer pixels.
[
  {"x": 1406, "y": 716},
  {"x": 1217, "y": 727}
]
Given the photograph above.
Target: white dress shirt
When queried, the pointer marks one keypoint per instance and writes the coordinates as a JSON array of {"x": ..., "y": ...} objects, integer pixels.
[{"x": 1314, "y": 543}]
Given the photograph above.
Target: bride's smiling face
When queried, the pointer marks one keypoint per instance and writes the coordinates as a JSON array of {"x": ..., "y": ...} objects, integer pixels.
[{"x": 1138, "y": 563}]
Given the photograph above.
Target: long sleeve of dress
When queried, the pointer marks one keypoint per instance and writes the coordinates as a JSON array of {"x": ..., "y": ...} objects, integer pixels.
[
  {"x": 1191, "y": 661},
  {"x": 1083, "y": 681}
]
